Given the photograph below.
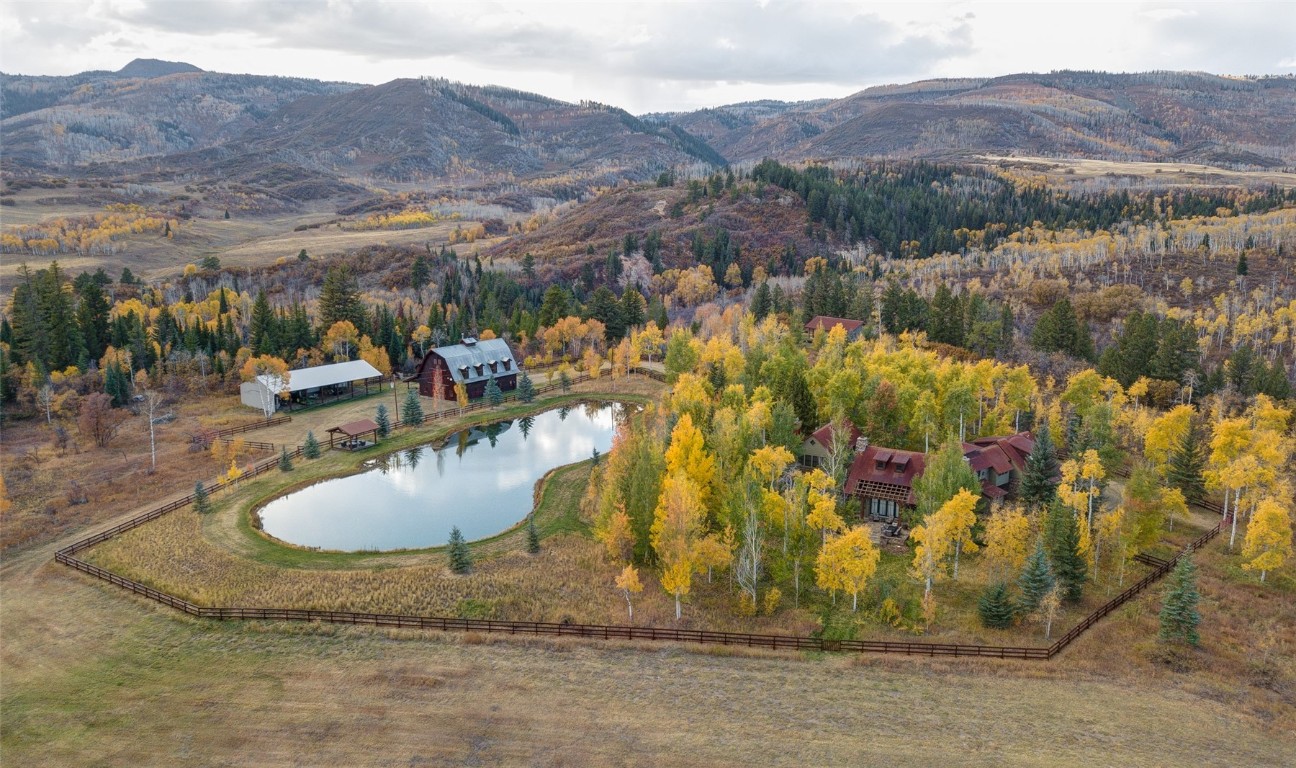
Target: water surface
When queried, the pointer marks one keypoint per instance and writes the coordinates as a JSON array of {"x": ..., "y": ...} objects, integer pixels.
[{"x": 481, "y": 480}]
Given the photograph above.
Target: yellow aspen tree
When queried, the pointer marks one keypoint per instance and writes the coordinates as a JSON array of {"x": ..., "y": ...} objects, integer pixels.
[
  {"x": 932, "y": 547},
  {"x": 714, "y": 551},
  {"x": 687, "y": 454},
  {"x": 676, "y": 529},
  {"x": 1110, "y": 536},
  {"x": 273, "y": 376},
  {"x": 1174, "y": 504},
  {"x": 960, "y": 515},
  {"x": 593, "y": 362},
  {"x": 1229, "y": 441},
  {"x": 1268, "y": 541},
  {"x": 823, "y": 515},
  {"x": 1007, "y": 533},
  {"x": 628, "y": 582},
  {"x": 847, "y": 562},
  {"x": 1091, "y": 472},
  {"x": 1164, "y": 435},
  {"x": 616, "y": 534},
  {"x": 461, "y": 395}
]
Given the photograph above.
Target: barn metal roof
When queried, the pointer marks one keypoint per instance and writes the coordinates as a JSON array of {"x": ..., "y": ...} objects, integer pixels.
[
  {"x": 324, "y": 375},
  {"x": 470, "y": 362}
]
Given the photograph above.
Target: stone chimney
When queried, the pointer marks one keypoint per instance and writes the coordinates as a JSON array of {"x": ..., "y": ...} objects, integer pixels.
[{"x": 861, "y": 444}]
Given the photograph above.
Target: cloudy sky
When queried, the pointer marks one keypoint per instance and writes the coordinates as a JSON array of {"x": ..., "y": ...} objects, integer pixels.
[{"x": 649, "y": 56}]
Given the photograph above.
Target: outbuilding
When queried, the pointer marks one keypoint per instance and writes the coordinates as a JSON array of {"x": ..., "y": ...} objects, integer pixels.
[{"x": 312, "y": 386}]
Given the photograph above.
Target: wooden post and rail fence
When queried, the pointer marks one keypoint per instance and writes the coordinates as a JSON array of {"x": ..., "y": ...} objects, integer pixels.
[{"x": 67, "y": 556}]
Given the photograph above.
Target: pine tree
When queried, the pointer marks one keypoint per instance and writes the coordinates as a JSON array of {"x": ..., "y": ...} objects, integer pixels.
[
  {"x": 311, "y": 449},
  {"x": 1062, "y": 537},
  {"x": 1187, "y": 462},
  {"x": 1036, "y": 581},
  {"x": 200, "y": 503},
  {"x": 1179, "y": 616},
  {"x": 533, "y": 536},
  {"x": 494, "y": 395},
  {"x": 457, "y": 548},
  {"x": 412, "y": 409},
  {"x": 285, "y": 463},
  {"x": 1039, "y": 481},
  {"x": 383, "y": 421},
  {"x": 564, "y": 381},
  {"x": 995, "y": 608},
  {"x": 1242, "y": 265},
  {"x": 340, "y": 298},
  {"x": 761, "y": 301},
  {"x": 525, "y": 388}
]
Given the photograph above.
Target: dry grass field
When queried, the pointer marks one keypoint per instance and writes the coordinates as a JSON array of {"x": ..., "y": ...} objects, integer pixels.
[
  {"x": 1061, "y": 171},
  {"x": 96, "y": 677}
]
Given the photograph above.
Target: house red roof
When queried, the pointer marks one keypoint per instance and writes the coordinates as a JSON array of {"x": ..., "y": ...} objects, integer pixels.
[
  {"x": 885, "y": 473},
  {"x": 823, "y": 436},
  {"x": 825, "y": 323}
]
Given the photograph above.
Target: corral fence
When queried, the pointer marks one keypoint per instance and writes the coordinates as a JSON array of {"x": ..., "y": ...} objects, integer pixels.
[
  {"x": 67, "y": 556},
  {"x": 206, "y": 436}
]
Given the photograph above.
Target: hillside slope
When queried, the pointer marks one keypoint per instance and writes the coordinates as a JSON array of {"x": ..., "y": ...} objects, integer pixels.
[{"x": 1153, "y": 116}]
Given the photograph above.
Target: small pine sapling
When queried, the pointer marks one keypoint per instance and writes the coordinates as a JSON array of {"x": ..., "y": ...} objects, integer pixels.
[
  {"x": 412, "y": 410},
  {"x": 311, "y": 448},
  {"x": 995, "y": 607},
  {"x": 533, "y": 536},
  {"x": 525, "y": 388},
  {"x": 200, "y": 502},
  {"x": 460, "y": 557},
  {"x": 1179, "y": 615},
  {"x": 285, "y": 463},
  {"x": 383, "y": 421}
]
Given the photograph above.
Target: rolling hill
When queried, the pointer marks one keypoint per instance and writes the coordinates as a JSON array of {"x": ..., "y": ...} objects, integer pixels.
[{"x": 1159, "y": 116}]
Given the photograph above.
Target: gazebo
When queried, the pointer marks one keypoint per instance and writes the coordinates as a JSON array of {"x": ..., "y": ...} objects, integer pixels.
[{"x": 353, "y": 434}]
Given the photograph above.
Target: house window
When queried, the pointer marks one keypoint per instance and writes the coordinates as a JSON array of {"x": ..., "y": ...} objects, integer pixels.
[
  {"x": 508, "y": 365},
  {"x": 480, "y": 369},
  {"x": 881, "y": 465}
]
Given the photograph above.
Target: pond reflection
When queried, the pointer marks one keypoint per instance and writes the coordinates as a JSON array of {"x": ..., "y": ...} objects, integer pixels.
[{"x": 481, "y": 481}]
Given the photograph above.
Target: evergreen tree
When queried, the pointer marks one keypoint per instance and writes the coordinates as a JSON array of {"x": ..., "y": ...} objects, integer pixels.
[
  {"x": 1036, "y": 580},
  {"x": 285, "y": 463},
  {"x": 564, "y": 381},
  {"x": 383, "y": 421},
  {"x": 92, "y": 318},
  {"x": 1187, "y": 462},
  {"x": 533, "y": 536},
  {"x": 494, "y": 395},
  {"x": 457, "y": 549},
  {"x": 995, "y": 608},
  {"x": 340, "y": 298},
  {"x": 201, "y": 504},
  {"x": 1179, "y": 615},
  {"x": 946, "y": 322},
  {"x": 761, "y": 302},
  {"x": 1062, "y": 537},
  {"x": 412, "y": 409},
  {"x": 311, "y": 448},
  {"x": 525, "y": 388},
  {"x": 1059, "y": 330},
  {"x": 633, "y": 308},
  {"x": 1040, "y": 479},
  {"x": 1241, "y": 269},
  {"x": 261, "y": 327}
]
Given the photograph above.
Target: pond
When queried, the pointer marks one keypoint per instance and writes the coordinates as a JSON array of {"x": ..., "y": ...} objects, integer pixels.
[{"x": 480, "y": 480}]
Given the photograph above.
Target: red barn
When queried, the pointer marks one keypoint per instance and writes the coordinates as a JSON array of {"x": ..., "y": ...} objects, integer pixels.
[{"x": 471, "y": 363}]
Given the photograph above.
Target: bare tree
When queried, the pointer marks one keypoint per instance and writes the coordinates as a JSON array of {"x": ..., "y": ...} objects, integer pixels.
[
  {"x": 99, "y": 420},
  {"x": 45, "y": 397},
  {"x": 152, "y": 401}
]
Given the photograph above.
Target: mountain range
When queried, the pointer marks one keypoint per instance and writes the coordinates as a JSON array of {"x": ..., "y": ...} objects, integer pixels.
[{"x": 154, "y": 120}]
